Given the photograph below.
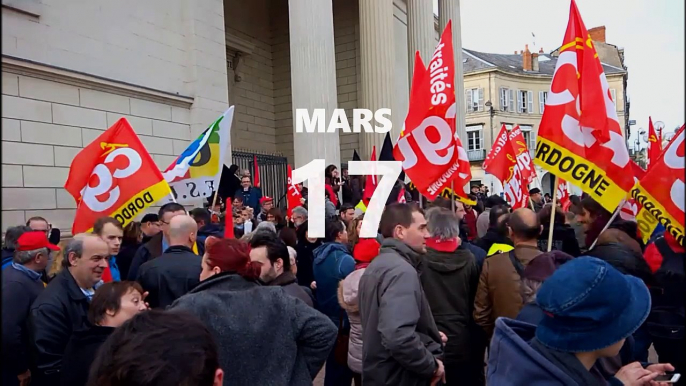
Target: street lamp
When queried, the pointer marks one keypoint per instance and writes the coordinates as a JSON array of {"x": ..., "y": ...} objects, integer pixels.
[{"x": 491, "y": 113}]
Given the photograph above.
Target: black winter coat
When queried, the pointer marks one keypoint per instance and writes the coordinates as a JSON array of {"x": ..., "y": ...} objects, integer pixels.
[
  {"x": 265, "y": 336},
  {"x": 564, "y": 239},
  {"x": 170, "y": 276},
  {"x": 450, "y": 280},
  {"x": 59, "y": 310},
  {"x": 125, "y": 257},
  {"x": 80, "y": 354},
  {"x": 145, "y": 253}
]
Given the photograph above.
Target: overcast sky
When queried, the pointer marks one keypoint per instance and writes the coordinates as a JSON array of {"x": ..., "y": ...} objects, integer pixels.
[{"x": 651, "y": 33}]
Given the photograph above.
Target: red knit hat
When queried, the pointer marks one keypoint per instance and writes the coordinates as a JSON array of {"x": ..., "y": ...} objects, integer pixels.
[{"x": 366, "y": 250}]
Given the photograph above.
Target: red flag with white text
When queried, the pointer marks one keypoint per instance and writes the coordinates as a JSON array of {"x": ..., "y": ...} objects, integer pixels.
[
  {"x": 563, "y": 194},
  {"x": 502, "y": 163},
  {"x": 294, "y": 195},
  {"x": 431, "y": 152},
  {"x": 579, "y": 137},
  {"x": 661, "y": 190},
  {"x": 114, "y": 176},
  {"x": 521, "y": 149}
]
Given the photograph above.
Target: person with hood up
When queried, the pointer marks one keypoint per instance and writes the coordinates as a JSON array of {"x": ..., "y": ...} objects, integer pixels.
[
  {"x": 206, "y": 227},
  {"x": 590, "y": 309},
  {"x": 402, "y": 346},
  {"x": 264, "y": 335},
  {"x": 333, "y": 263},
  {"x": 364, "y": 252},
  {"x": 564, "y": 238},
  {"x": 496, "y": 239},
  {"x": 450, "y": 277},
  {"x": 498, "y": 291}
]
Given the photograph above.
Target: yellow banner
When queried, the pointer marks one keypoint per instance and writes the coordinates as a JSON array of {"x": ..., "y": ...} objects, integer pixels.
[
  {"x": 658, "y": 211},
  {"x": 580, "y": 172},
  {"x": 646, "y": 223},
  {"x": 141, "y": 201}
]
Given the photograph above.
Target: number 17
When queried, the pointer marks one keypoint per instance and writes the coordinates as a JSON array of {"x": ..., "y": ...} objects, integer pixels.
[{"x": 313, "y": 172}]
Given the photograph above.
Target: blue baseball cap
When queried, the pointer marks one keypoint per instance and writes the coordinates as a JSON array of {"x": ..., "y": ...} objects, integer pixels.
[{"x": 589, "y": 305}]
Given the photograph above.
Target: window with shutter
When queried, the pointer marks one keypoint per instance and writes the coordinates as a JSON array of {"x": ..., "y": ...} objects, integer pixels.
[
  {"x": 481, "y": 99},
  {"x": 503, "y": 99},
  {"x": 519, "y": 101},
  {"x": 542, "y": 96},
  {"x": 474, "y": 137},
  {"x": 468, "y": 99},
  {"x": 530, "y": 100},
  {"x": 512, "y": 100},
  {"x": 529, "y": 138}
]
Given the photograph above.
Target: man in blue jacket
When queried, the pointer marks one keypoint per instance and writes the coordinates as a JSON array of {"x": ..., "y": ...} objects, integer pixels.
[{"x": 251, "y": 195}]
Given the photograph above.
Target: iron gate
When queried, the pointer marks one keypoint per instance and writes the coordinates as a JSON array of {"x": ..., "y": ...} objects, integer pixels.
[{"x": 273, "y": 173}]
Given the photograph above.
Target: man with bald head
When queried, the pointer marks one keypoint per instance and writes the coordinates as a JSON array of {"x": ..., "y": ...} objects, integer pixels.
[
  {"x": 177, "y": 270},
  {"x": 62, "y": 307},
  {"x": 498, "y": 294}
]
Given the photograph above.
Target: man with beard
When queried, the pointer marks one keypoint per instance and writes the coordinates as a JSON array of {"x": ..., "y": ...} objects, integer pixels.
[{"x": 276, "y": 264}]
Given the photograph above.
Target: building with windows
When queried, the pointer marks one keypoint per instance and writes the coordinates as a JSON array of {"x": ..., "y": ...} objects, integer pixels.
[
  {"x": 171, "y": 67},
  {"x": 510, "y": 89}
]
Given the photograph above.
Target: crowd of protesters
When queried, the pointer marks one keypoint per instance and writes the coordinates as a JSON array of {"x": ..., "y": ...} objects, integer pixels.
[{"x": 454, "y": 293}]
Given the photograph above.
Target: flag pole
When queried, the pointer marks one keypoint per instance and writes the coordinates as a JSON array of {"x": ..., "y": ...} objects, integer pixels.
[
  {"x": 552, "y": 217},
  {"x": 452, "y": 195},
  {"x": 614, "y": 215},
  {"x": 172, "y": 197}
]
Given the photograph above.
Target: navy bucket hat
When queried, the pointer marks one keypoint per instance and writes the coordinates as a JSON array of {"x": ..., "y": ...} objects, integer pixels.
[{"x": 589, "y": 305}]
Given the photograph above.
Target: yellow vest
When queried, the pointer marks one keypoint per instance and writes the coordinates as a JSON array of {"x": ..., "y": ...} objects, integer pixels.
[
  {"x": 499, "y": 248},
  {"x": 361, "y": 206}
]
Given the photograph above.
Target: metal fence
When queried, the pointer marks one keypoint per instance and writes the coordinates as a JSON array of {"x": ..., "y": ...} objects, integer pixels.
[{"x": 273, "y": 173}]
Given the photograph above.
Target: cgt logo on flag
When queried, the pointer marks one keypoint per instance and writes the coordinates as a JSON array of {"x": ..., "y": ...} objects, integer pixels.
[{"x": 113, "y": 176}]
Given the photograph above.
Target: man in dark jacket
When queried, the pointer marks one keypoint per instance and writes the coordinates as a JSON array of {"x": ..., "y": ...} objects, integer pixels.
[
  {"x": 496, "y": 237},
  {"x": 158, "y": 243},
  {"x": 444, "y": 266},
  {"x": 21, "y": 285},
  {"x": 150, "y": 226},
  {"x": 251, "y": 195},
  {"x": 206, "y": 227},
  {"x": 402, "y": 345},
  {"x": 276, "y": 264},
  {"x": 177, "y": 270},
  {"x": 11, "y": 236},
  {"x": 62, "y": 307}
]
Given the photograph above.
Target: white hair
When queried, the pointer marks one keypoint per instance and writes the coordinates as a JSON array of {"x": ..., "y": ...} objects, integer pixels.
[
  {"x": 292, "y": 254},
  {"x": 266, "y": 225}
]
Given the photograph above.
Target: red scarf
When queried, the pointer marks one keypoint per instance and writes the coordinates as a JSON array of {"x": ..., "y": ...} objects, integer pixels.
[
  {"x": 361, "y": 265},
  {"x": 443, "y": 245}
]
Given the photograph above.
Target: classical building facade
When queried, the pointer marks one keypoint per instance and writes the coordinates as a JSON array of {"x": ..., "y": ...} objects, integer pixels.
[
  {"x": 70, "y": 69},
  {"x": 510, "y": 89}
]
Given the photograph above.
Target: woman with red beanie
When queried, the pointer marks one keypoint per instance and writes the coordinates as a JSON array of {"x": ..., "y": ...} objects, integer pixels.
[
  {"x": 364, "y": 252},
  {"x": 265, "y": 336}
]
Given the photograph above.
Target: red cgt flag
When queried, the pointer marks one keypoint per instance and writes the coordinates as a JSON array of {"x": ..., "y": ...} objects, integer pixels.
[
  {"x": 294, "y": 195},
  {"x": 661, "y": 190},
  {"x": 256, "y": 177},
  {"x": 502, "y": 163},
  {"x": 579, "y": 138},
  {"x": 521, "y": 149},
  {"x": 114, "y": 176},
  {"x": 563, "y": 194},
  {"x": 431, "y": 152},
  {"x": 654, "y": 144},
  {"x": 370, "y": 182}
]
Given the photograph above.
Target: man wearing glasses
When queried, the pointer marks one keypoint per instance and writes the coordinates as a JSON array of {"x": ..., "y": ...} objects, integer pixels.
[{"x": 158, "y": 243}]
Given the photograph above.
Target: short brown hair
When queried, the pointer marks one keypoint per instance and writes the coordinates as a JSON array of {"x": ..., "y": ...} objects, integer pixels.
[
  {"x": 544, "y": 215},
  {"x": 100, "y": 224},
  {"x": 108, "y": 298},
  {"x": 36, "y": 218},
  {"x": 394, "y": 215}
]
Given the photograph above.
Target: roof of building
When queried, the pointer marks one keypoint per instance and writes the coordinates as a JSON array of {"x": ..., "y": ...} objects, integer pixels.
[{"x": 473, "y": 61}]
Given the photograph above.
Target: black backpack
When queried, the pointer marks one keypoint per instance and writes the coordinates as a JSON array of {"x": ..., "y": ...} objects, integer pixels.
[{"x": 667, "y": 314}]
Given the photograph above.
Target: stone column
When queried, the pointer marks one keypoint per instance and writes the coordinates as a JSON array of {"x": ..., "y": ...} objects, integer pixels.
[
  {"x": 313, "y": 77},
  {"x": 377, "y": 52},
  {"x": 450, "y": 10},
  {"x": 420, "y": 31}
]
